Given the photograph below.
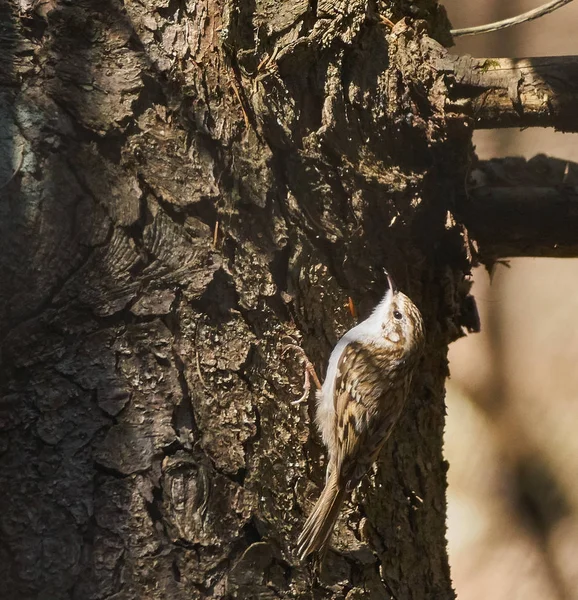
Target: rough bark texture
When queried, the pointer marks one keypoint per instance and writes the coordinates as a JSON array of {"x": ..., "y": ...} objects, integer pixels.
[
  {"x": 514, "y": 92},
  {"x": 184, "y": 185}
]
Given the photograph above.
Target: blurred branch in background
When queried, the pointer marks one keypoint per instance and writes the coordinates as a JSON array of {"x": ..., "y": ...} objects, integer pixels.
[
  {"x": 512, "y": 411},
  {"x": 512, "y": 494},
  {"x": 530, "y": 15}
]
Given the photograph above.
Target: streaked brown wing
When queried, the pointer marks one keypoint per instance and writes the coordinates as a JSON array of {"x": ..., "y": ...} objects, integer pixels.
[
  {"x": 365, "y": 411},
  {"x": 350, "y": 440}
]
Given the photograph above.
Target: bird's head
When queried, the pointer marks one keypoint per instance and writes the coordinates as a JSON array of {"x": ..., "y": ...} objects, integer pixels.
[{"x": 400, "y": 320}]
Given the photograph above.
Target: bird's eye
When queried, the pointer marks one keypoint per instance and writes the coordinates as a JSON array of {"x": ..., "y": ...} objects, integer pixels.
[{"x": 397, "y": 315}]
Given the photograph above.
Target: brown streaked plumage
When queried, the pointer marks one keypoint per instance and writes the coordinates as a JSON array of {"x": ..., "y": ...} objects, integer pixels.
[{"x": 365, "y": 390}]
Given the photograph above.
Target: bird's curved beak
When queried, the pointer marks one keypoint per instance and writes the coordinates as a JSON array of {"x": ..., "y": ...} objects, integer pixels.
[{"x": 390, "y": 282}]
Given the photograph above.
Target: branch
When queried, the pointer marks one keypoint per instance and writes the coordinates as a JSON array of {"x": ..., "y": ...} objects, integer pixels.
[
  {"x": 510, "y": 92},
  {"x": 523, "y": 208},
  {"x": 535, "y": 13}
]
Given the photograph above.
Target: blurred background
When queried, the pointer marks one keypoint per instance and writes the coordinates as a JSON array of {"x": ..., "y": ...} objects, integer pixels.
[{"x": 512, "y": 428}]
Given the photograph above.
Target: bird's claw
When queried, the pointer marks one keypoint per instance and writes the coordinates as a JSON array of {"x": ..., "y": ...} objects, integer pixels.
[{"x": 309, "y": 371}]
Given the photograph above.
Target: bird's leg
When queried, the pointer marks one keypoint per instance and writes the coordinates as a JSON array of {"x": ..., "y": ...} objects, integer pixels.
[{"x": 309, "y": 372}]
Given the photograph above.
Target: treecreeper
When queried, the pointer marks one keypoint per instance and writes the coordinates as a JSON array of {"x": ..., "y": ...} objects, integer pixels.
[{"x": 365, "y": 390}]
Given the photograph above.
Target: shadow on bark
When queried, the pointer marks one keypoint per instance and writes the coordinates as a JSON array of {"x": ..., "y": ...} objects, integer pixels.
[{"x": 106, "y": 487}]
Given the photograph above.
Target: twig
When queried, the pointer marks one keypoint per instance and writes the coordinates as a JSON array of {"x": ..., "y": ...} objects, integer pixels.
[
  {"x": 197, "y": 360},
  {"x": 245, "y": 115},
  {"x": 352, "y": 307},
  {"x": 16, "y": 170},
  {"x": 386, "y": 21},
  {"x": 535, "y": 13},
  {"x": 199, "y": 373},
  {"x": 268, "y": 61}
]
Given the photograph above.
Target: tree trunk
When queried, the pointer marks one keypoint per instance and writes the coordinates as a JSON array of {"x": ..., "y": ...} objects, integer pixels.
[{"x": 186, "y": 188}]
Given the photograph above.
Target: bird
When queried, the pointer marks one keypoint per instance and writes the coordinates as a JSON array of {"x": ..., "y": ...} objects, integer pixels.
[{"x": 368, "y": 380}]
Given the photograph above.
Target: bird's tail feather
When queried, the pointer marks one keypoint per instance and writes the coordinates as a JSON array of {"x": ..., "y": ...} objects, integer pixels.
[{"x": 319, "y": 526}]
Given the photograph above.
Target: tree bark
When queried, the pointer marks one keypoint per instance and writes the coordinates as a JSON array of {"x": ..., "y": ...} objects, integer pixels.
[
  {"x": 186, "y": 188},
  {"x": 515, "y": 207},
  {"x": 514, "y": 92}
]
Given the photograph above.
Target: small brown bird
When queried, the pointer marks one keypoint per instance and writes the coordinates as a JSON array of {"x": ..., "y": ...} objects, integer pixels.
[{"x": 366, "y": 387}]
